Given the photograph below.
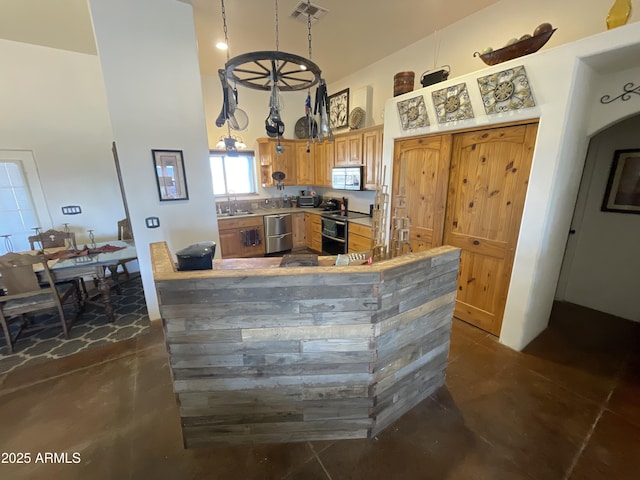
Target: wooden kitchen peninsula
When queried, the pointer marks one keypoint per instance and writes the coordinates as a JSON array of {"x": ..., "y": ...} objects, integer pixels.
[{"x": 262, "y": 354}]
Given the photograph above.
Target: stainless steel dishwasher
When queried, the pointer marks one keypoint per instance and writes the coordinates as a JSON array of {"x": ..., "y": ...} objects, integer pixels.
[{"x": 277, "y": 230}]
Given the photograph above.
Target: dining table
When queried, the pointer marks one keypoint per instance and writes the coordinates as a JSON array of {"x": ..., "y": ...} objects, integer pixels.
[{"x": 93, "y": 260}]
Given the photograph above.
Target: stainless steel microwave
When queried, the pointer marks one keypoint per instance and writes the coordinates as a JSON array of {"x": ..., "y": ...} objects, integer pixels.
[{"x": 347, "y": 178}]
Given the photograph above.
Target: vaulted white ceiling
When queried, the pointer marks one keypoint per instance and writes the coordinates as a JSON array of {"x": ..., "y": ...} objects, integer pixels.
[{"x": 352, "y": 35}]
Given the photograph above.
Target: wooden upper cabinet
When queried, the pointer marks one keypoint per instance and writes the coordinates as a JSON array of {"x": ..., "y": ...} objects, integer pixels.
[
  {"x": 372, "y": 157},
  {"x": 305, "y": 162},
  {"x": 270, "y": 161},
  {"x": 348, "y": 149},
  {"x": 361, "y": 147},
  {"x": 323, "y": 163}
]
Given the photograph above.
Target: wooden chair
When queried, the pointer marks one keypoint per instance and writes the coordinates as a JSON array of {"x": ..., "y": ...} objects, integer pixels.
[
  {"x": 51, "y": 239},
  {"x": 23, "y": 294},
  {"x": 57, "y": 238},
  {"x": 124, "y": 230},
  {"x": 124, "y": 233}
]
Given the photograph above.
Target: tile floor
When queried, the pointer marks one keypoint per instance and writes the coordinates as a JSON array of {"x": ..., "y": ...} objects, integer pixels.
[{"x": 568, "y": 407}]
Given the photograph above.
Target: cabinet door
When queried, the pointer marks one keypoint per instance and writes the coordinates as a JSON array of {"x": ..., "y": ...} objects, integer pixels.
[
  {"x": 286, "y": 161},
  {"x": 298, "y": 227},
  {"x": 313, "y": 228},
  {"x": 341, "y": 151},
  {"x": 323, "y": 161},
  {"x": 355, "y": 149},
  {"x": 359, "y": 238},
  {"x": 257, "y": 250},
  {"x": 372, "y": 157},
  {"x": 421, "y": 174},
  {"x": 488, "y": 185},
  {"x": 305, "y": 163},
  {"x": 230, "y": 243},
  {"x": 270, "y": 161}
]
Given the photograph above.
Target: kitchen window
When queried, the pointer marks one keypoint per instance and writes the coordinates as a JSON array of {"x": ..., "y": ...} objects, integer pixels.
[{"x": 233, "y": 173}]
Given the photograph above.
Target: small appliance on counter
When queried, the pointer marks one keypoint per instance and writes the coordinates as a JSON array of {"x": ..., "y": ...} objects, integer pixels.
[
  {"x": 330, "y": 205},
  {"x": 308, "y": 201},
  {"x": 198, "y": 256}
]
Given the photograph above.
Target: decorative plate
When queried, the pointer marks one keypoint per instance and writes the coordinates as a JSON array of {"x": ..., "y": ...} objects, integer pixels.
[
  {"x": 302, "y": 128},
  {"x": 356, "y": 117},
  {"x": 452, "y": 103},
  {"x": 506, "y": 90},
  {"x": 413, "y": 113}
]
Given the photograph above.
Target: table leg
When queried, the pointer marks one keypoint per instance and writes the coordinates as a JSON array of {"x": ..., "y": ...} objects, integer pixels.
[
  {"x": 115, "y": 278},
  {"x": 105, "y": 292}
]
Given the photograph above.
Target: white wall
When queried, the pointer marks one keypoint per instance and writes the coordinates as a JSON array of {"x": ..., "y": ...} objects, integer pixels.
[
  {"x": 601, "y": 268},
  {"x": 567, "y": 92},
  {"x": 54, "y": 104},
  {"x": 148, "y": 56},
  {"x": 454, "y": 46}
]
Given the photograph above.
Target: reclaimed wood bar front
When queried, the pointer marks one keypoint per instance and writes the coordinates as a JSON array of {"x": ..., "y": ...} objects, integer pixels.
[{"x": 261, "y": 353}]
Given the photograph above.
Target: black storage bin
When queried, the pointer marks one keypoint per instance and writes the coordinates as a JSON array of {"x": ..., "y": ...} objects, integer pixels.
[{"x": 198, "y": 256}]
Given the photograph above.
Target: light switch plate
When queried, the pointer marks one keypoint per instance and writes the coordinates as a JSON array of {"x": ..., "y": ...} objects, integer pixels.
[
  {"x": 152, "y": 222},
  {"x": 71, "y": 210}
]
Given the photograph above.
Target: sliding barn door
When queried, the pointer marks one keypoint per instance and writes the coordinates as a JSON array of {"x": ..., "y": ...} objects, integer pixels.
[
  {"x": 487, "y": 188},
  {"x": 421, "y": 174}
]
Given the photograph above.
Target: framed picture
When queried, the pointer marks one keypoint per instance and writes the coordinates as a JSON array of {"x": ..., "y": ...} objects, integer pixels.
[
  {"x": 339, "y": 109},
  {"x": 169, "y": 166},
  {"x": 623, "y": 187}
]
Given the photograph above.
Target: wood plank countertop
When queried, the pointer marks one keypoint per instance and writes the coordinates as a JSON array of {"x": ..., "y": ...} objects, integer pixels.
[
  {"x": 164, "y": 267},
  {"x": 261, "y": 353}
]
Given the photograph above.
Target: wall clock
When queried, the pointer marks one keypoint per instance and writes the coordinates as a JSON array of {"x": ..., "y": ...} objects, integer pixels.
[
  {"x": 339, "y": 109},
  {"x": 452, "y": 103},
  {"x": 506, "y": 90}
]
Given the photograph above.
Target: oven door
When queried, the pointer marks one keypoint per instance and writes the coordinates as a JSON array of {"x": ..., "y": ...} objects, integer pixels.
[{"x": 334, "y": 236}]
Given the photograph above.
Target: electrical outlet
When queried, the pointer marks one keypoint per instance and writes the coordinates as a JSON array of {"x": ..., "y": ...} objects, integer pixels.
[
  {"x": 152, "y": 222},
  {"x": 266, "y": 201},
  {"x": 71, "y": 210}
]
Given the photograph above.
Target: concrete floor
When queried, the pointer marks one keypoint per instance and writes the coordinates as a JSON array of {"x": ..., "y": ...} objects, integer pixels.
[{"x": 566, "y": 408}]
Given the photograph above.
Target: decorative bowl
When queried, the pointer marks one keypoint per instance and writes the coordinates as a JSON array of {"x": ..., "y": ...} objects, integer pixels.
[{"x": 515, "y": 50}]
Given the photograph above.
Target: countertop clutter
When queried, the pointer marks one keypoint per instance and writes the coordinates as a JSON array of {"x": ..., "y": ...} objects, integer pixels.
[{"x": 355, "y": 217}]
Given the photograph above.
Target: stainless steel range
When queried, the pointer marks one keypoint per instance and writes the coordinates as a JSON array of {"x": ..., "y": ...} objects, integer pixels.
[
  {"x": 278, "y": 232},
  {"x": 335, "y": 231}
]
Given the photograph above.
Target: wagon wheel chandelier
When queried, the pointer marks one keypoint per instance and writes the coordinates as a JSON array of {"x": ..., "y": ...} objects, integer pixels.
[{"x": 259, "y": 70}]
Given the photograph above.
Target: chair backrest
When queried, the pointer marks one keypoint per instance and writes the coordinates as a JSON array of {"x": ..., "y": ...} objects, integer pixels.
[
  {"x": 124, "y": 230},
  {"x": 18, "y": 274},
  {"x": 52, "y": 238}
]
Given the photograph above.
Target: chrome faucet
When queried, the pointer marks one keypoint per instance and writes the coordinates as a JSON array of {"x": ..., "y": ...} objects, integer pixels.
[{"x": 235, "y": 196}]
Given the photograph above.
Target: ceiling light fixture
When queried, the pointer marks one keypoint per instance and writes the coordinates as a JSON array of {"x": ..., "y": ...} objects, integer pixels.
[{"x": 221, "y": 46}]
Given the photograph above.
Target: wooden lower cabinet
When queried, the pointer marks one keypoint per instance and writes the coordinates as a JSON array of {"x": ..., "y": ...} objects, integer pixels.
[
  {"x": 467, "y": 190},
  {"x": 359, "y": 237},
  {"x": 232, "y": 234},
  {"x": 298, "y": 226},
  {"x": 313, "y": 230}
]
